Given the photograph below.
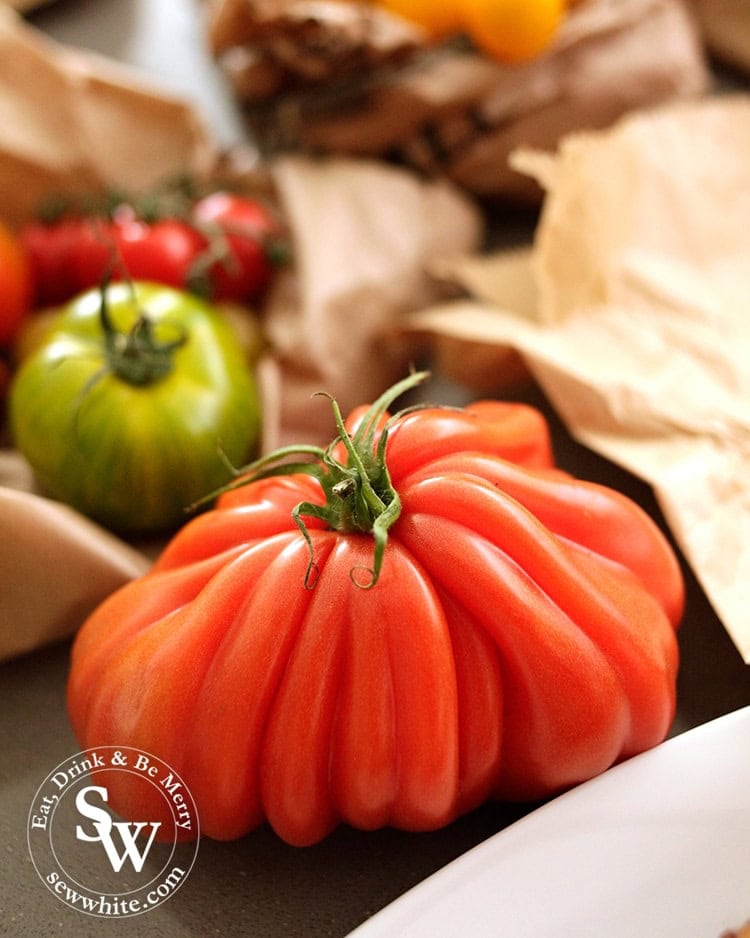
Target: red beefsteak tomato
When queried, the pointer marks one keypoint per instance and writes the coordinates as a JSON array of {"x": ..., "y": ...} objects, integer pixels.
[{"x": 426, "y": 616}]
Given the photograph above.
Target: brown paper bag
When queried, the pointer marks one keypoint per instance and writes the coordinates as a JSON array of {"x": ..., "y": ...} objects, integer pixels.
[
  {"x": 641, "y": 332},
  {"x": 73, "y": 122},
  {"x": 725, "y": 26},
  {"x": 25, "y": 5},
  {"x": 55, "y": 567},
  {"x": 365, "y": 236},
  {"x": 313, "y": 77}
]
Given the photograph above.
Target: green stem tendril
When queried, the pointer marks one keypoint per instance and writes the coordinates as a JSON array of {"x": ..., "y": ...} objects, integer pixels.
[
  {"x": 359, "y": 494},
  {"x": 137, "y": 356}
]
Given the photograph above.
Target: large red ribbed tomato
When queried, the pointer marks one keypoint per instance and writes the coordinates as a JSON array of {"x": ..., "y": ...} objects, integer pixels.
[{"x": 380, "y": 646}]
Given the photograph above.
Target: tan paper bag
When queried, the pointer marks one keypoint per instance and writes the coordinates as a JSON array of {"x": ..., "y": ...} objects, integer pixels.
[
  {"x": 639, "y": 332},
  {"x": 344, "y": 78},
  {"x": 74, "y": 122}
]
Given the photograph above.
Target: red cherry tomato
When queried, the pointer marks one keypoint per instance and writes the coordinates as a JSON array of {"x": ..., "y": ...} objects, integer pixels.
[
  {"x": 246, "y": 232},
  {"x": 224, "y": 249},
  {"x": 163, "y": 252},
  {"x": 74, "y": 254},
  {"x": 49, "y": 249},
  {"x": 93, "y": 254},
  {"x": 68, "y": 256}
]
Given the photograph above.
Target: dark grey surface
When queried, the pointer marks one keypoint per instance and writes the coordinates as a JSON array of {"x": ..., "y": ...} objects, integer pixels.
[{"x": 258, "y": 886}]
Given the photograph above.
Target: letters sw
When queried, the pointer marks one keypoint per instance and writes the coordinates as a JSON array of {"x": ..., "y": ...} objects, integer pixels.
[{"x": 103, "y": 824}]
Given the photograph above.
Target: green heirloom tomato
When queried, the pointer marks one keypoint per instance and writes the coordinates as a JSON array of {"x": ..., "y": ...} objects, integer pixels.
[{"x": 132, "y": 405}]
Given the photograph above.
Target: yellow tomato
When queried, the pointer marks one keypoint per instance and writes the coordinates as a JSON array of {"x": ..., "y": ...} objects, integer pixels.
[
  {"x": 438, "y": 18},
  {"x": 512, "y": 30}
]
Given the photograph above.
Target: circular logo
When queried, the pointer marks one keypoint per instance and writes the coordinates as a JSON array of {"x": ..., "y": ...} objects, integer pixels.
[{"x": 113, "y": 831}]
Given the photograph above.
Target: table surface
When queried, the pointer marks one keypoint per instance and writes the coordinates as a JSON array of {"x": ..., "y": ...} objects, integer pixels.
[{"x": 258, "y": 885}]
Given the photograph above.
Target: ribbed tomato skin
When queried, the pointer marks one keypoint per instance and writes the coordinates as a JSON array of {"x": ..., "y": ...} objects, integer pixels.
[{"x": 520, "y": 639}]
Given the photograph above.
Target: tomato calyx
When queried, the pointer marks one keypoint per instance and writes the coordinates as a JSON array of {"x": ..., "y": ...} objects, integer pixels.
[
  {"x": 359, "y": 494},
  {"x": 137, "y": 356}
]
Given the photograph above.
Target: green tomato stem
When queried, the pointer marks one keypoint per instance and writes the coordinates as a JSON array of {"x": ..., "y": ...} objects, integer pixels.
[
  {"x": 359, "y": 494},
  {"x": 137, "y": 356}
]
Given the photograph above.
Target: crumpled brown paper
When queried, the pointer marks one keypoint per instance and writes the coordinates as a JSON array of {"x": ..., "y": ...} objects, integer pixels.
[
  {"x": 638, "y": 328},
  {"x": 452, "y": 110},
  {"x": 55, "y": 567},
  {"x": 725, "y": 26},
  {"x": 74, "y": 122},
  {"x": 24, "y": 5},
  {"x": 363, "y": 236}
]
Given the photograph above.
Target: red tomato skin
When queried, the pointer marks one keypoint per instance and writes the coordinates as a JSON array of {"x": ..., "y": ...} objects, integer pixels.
[
  {"x": 161, "y": 252},
  {"x": 49, "y": 249},
  {"x": 247, "y": 270},
  {"x": 76, "y": 253},
  {"x": 69, "y": 256},
  {"x": 93, "y": 255},
  {"x": 605, "y": 522},
  {"x": 15, "y": 285},
  {"x": 497, "y": 655},
  {"x": 516, "y": 432}
]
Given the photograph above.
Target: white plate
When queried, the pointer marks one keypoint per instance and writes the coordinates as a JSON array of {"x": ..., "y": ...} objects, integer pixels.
[{"x": 657, "y": 847}]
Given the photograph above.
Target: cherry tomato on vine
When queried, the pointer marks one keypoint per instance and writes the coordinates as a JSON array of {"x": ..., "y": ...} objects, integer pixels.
[
  {"x": 15, "y": 285},
  {"x": 92, "y": 253},
  {"x": 163, "y": 251},
  {"x": 246, "y": 235},
  {"x": 512, "y": 30},
  {"x": 65, "y": 256},
  {"x": 221, "y": 246},
  {"x": 77, "y": 253}
]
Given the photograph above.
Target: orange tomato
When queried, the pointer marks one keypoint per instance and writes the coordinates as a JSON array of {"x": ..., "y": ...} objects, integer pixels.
[
  {"x": 15, "y": 285},
  {"x": 512, "y": 31}
]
